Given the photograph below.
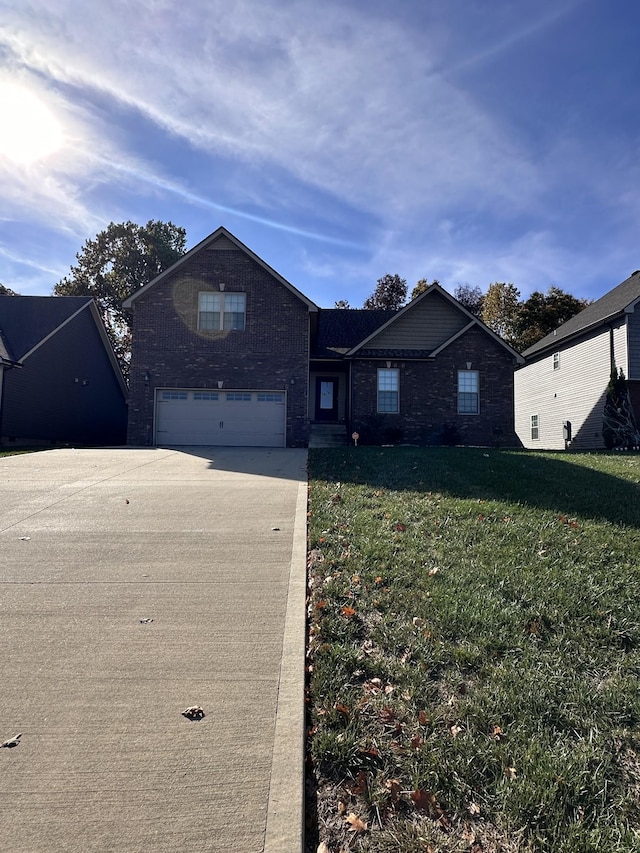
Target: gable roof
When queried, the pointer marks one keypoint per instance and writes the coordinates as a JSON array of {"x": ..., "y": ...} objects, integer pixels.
[
  {"x": 622, "y": 299},
  {"x": 340, "y": 329},
  {"x": 27, "y": 322},
  {"x": 219, "y": 234},
  {"x": 361, "y": 347}
]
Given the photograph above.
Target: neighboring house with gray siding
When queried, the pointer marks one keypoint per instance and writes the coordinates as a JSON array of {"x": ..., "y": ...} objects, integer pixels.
[
  {"x": 60, "y": 382},
  {"x": 565, "y": 375},
  {"x": 227, "y": 352}
]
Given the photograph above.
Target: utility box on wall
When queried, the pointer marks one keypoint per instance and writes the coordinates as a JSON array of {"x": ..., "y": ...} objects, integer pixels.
[{"x": 566, "y": 430}]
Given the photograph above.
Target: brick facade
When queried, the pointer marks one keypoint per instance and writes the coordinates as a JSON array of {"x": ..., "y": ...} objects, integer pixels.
[
  {"x": 428, "y": 397},
  {"x": 271, "y": 353}
]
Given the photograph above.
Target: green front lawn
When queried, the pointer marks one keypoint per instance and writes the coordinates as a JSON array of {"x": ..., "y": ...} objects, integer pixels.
[{"x": 474, "y": 651}]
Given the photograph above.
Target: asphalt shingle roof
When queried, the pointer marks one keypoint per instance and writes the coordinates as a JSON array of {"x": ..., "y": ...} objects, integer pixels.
[
  {"x": 340, "y": 329},
  {"x": 608, "y": 306},
  {"x": 26, "y": 320}
]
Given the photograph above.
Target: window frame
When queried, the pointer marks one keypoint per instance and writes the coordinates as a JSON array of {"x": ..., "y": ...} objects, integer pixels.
[
  {"x": 556, "y": 360},
  {"x": 393, "y": 374},
  {"x": 534, "y": 427},
  {"x": 222, "y": 304},
  {"x": 466, "y": 395}
]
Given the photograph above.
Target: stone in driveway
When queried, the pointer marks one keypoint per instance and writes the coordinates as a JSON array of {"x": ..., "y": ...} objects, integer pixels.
[{"x": 93, "y": 543}]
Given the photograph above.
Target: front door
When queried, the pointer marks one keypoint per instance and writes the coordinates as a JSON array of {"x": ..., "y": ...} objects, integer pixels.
[{"x": 326, "y": 398}]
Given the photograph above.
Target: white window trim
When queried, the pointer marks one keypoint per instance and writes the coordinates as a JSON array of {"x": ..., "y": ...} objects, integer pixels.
[
  {"x": 396, "y": 390},
  {"x": 222, "y": 297},
  {"x": 536, "y": 427},
  {"x": 477, "y": 393}
]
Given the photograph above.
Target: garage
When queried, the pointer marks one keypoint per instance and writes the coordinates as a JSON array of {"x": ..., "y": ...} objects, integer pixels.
[{"x": 215, "y": 417}]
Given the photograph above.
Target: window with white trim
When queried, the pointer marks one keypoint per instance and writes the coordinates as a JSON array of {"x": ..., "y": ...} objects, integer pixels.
[
  {"x": 221, "y": 311},
  {"x": 468, "y": 392},
  {"x": 535, "y": 427},
  {"x": 556, "y": 361},
  {"x": 388, "y": 390}
]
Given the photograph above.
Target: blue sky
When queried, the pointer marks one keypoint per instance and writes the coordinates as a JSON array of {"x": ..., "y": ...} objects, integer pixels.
[{"x": 469, "y": 140}]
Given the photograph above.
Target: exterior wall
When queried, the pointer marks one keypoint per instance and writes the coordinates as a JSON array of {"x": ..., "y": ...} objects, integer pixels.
[
  {"x": 575, "y": 391},
  {"x": 271, "y": 353},
  {"x": 428, "y": 397},
  {"x": 426, "y": 326},
  {"x": 633, "y": 339},
  {"x": 66, "y": 392}
]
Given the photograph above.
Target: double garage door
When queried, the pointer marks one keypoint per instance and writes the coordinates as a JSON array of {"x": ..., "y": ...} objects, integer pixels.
[{"x": 229, "y": 418}]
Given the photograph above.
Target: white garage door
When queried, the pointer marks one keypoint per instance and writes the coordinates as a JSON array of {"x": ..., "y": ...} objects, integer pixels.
[{"x": 230, "y": 418}]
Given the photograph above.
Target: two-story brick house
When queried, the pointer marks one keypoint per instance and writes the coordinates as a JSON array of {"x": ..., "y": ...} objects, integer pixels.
[{"x": 227, "y": 352}]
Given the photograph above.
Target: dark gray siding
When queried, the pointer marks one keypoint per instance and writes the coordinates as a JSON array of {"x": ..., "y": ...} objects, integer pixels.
[
  {"x": 633, "y": 344},
  {"x": 42, "y": 401}
]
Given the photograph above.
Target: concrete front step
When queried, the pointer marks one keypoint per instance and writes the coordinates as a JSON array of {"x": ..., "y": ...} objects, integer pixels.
[{"x": 328, "y": 435}]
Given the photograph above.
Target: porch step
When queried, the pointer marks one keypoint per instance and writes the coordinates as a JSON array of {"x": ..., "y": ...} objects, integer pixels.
[{"x": 328, "y": 435}]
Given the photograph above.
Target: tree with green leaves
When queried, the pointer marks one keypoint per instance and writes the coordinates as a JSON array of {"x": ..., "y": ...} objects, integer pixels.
[
  {"x": 541, "y": 313},
  {"x": 390, "y": 292},
  {"x": 6, "y": 291},
  {"x": 500, "y": 308},
  {"x": 117, "y": 262},
  {"x": 422, "y": 285},
  {"x": 472, "y": 298},
  {"x": 342, "y": 303}
]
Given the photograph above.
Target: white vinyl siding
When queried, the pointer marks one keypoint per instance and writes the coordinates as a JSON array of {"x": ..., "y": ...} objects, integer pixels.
[{"x": 575, "y": 393}]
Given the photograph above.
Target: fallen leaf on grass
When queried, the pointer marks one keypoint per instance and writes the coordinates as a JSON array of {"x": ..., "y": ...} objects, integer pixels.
[
  {"x": 473, "y": 808},
  {"x": 356, "y": 824},
  {"x": 388, "y": 716},
  {"x": 422, "y": 718},
  {"x": 426, "y": 802},
  {"x": 433, "y": 571},
  {"x": 349, "y": 612},
  {"x": 455, "y": 730},
  {"x": 497, "y": 733},
  {"x": 359, "y": 785},
  {"x": 417, "y": 742},
  {"x": 417, "y": 622},
  {"x": 342, "y": 709},
  {"x": 322, "y": 848},
  {"x": 400, "y": 527},
  {"x": 510, "y": 772},
  {"x": 393, "y": 787}
]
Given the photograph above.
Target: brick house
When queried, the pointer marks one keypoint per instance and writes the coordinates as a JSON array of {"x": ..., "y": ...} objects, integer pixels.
[{"x": 227, "y": 352}]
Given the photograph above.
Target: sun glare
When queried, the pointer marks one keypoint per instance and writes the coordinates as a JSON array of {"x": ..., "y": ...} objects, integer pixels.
[{"x": 28, "y": 129}]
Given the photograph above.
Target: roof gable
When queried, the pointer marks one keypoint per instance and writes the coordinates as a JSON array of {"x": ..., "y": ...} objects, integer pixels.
[
  {"x": 450, "y": 320},
  {"x": 620, "y": 300},
  {"x": 26, "y": 321},
  {"x": 220, "y": 239}
]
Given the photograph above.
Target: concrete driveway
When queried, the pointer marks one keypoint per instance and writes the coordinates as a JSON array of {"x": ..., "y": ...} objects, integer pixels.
[{"x": 135, "y": 583}]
